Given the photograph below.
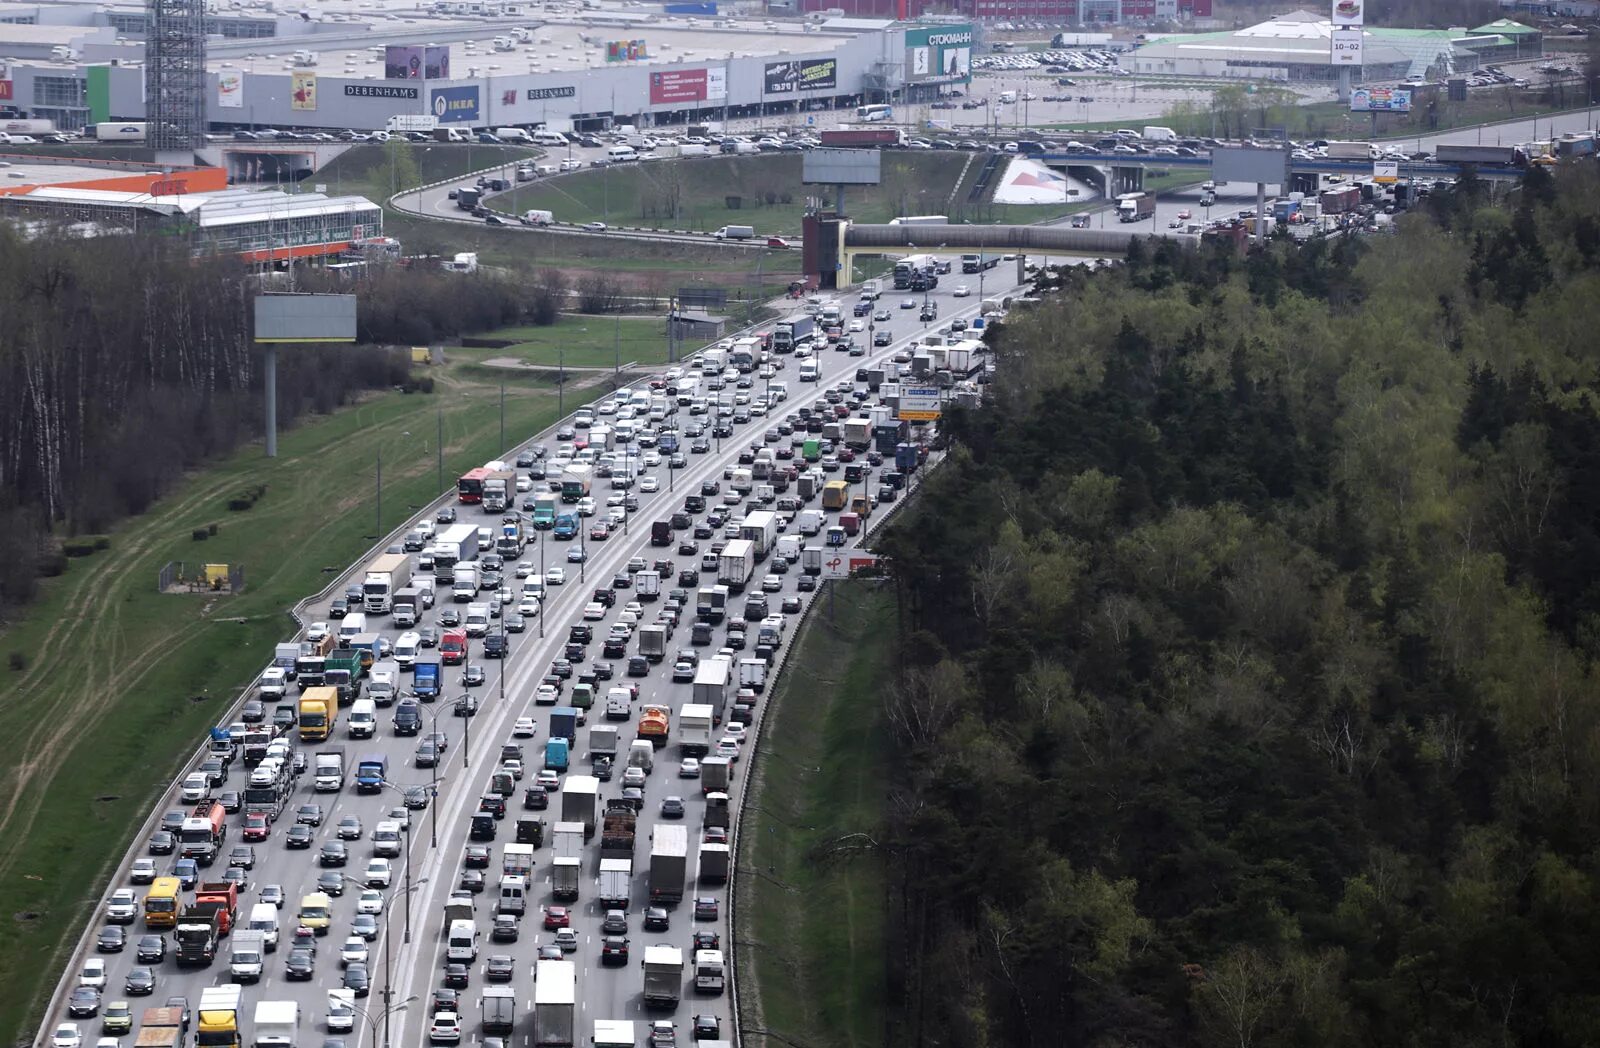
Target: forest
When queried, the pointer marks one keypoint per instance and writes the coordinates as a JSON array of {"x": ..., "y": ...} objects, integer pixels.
[
  {"x": 1248, "y": 686},
  {"x": 124, "y": 362}
]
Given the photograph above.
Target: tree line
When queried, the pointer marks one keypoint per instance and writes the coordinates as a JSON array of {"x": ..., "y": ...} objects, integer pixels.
[{"x": 1248, "y": 692}]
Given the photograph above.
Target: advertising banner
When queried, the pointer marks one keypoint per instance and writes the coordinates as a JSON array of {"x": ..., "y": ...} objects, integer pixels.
[
  {"x": 942, "y": 52},
  {"x": 1347, "y": 45},
  {"x": 454, "y": 105},
  {"x": 436, "y": 63},
  {"x": 677, "y": 85},
  {"x": 843, "y": 564},
  {"x": 303, "y": 91},
  {"x": 230, "y": 89},
  {"x": 1380, "y": 100},
  {"x": 391, "y": 91},
  {"x": 625, "y": 51},
  {"x": 539, "y": 94},
  {"x": 402, "y": 62},
  {"x": 819, "y": 74},
  {"x": 6, "y": 91},
  {"x": 1348, "y": 12},
  {"x": 782, "y": 78},
  {"x": 716, "y": 84}
]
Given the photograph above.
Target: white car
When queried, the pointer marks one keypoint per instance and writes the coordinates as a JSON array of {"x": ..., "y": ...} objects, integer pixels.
[
  {"x": 354, "y": 951},
  {"x": 528, "y": 607},
  {"x": 572, "y": 164},
  {"x": 771, "y": 583},
  {"x": 616, "y": 498},
  {"x": 586, "y": 506},
  {"x": 379, "y": 873},
  {"x": 143, "y": 871},
  {"x": 734, "y": 731},
  {"x": 195, "y": 787},
  {"x": 649, "y": 484},
  {"x": 728, "y": 748},
  {"x": 446, "y": 1026},
  {"x": 961, "y": 291},
  {"x": 594, "y": 611},
  {"x": 547, "y": 780},
  {"x": 67, "y": 1035},
  {"x": 123, "y": 906},
  {"x": 566, "y": 939},
  {"x": 525, "y": 728},
  {"x": 317, "y": 632},
  {"x": 689, "y": 768},
  {"x": 93, "y": 973},
  {"x": 371, "y": 901},
  {"x": 525, "y": 568},
  {"x": 546, "y": 695},
  {"x": 555, "y": 577}
]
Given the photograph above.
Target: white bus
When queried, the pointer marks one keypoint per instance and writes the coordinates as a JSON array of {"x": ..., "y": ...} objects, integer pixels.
[{"x": 874, "y": 114}]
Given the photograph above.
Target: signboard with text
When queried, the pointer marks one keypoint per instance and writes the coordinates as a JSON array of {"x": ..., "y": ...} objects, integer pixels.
[
  {"x": 1380, "y": 100},
  {"x": 1386, "y": 171},
  {"x": 1347, "y": 45},
  {"x": 939, "y": 53},
  {"x": 919, "y": 403},
  {"x": 678, "y": 85},
  {"x": 842, "y": 565},
  {"x": 454, "y": 105}
]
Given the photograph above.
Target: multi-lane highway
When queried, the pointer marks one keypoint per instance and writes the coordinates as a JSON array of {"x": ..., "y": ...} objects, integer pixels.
[{"x": 406, "y": 952}]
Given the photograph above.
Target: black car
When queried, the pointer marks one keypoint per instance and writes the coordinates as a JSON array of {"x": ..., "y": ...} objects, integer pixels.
[
  {"x": 300, "y": 836},
  {"x": 428, "y": 637},
  {"x": 449, "y": 615},
  {"x": 581, "y": 634},
  {"x": 111, "y": 939},
  {"x": 331, "y": 883},
  {"x": 357, "y": 979},
  {"x": 162, "y": 842},
  {"x": 446, "y": 515},
  {"x": 301, "y": 964},
  {"x": 151, "y": 949},
  {"x": 141, "y": 982},
  {"x": 499, "y": 968},
  {"x": 656, "y": 919},
  {"x": 476, "y": 857},
  {"x": 339, "y": 608},
  {"x": 427, "y": 755},
  {"x": 172, "y": 821},
  {"x": 494, "y": 646},
  {"x": 672, "y": 808},
  {"x": 707, "y": 1028},
  {"x": 638, "y": 666},
  {"x": 254, "y": 711},
  {"x": 456, "y": 976},
  {"x": 466, "y": 706},
  {"x": 535, "y": 798},
  {"x": 603, "y": 670},
  {"x": 309, "y": 815},
  {"x": 333, "y": 853},
  {"x": 613, "y": 950}
]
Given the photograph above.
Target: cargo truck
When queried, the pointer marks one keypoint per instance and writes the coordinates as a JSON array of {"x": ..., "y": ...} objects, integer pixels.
[
  {"x": 655, "y": 724},
  {"x": 711, "y": 604},
  {"x": 456, "y": 544},
  {"x": 791, "y": 331},
  {"x": 544, "y": 511},
  {"x": 499, "y": 1010},
  {"x": 863, "y": 138},
  {"x": 318, "y": 713},
  {"x": 616, "y": 883},
  {"x": 760, "y": 529},
  {"x": 407, "y": 607},
  {"x": 653, "y": 642},
  {"x": 618, "y": 831},
  {"x": 564, "y": 724},
  {"x": 977, "y": 263},
  {"x": 425, "y": 679},
  {"x": 580, "y": 796},
  {"x": 372, "y": 771},
  {"x": 277, "y": 1024},
  {"x": 714, "y": 775},
  {"x": 614, "y": 1033},
  {"x": 247, "y": 956},
  {"x": 713, "y": 863},
  {"x": 1465, "y": 153},
  {"x": 567, "y": 864},
  {"x": 285, "y": 655},
  {"x": 196, "y": 934},
  {"x": 753, "y": 674},
  {"x": 663, "y": 975},
  {"x": 710, "y": 976},
  {"x": 383, "y": 686},
  {"x": 576, "y": 482},
  {"x": 736, "y": 564},
  {"x": 217, "y": 1018},
  {"x": 1135, "y": 207},
  {"x": 694, "y": 719},
  {"x": 161, "y": 1028},
  {"x": 328, "y": 771},
  {"x": 499, "y": 488},
  {"x": 1352, "y": 151},
  {"x": 386, "y": 576},
  {"x": 711, "y": 679},
  {"x": 647, "y": 586},
  {"x": 555, "y": 998},
  {"x": 669, "y": 859}
]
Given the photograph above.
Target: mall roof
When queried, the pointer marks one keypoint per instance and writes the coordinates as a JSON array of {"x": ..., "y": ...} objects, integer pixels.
[{"x": 1507, "y": 27}]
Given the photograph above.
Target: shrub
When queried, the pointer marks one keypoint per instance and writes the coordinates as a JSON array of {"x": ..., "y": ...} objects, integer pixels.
[
  {"x": 211, "y": 529},
  {"x": 78, "y": 547},
  {"x": 199, "y": 534},
  {"x": 18, "y": 661},
  {"x": 102, "y": 542},
  {"x": 52, "y": 564}
]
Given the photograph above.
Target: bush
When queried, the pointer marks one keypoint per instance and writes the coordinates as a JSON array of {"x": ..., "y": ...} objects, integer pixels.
[
  {"x": 78, "y": 547},
  {"x": 211, "y": 529},
  {"x": 102, "y": 542},
  {"x": 52, "y": 564},
  {"x": 18, "y": 661},
  {"x": 199, "y": 534}
]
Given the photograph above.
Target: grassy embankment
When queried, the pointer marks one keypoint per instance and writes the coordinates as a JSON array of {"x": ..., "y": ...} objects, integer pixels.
[
  {"x": 585, "y": 342},
  {"x": 121, "y": 682},
  {"x": 811, "y": 928}
]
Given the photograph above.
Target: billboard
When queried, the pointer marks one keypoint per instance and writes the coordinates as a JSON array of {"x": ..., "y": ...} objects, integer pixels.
[
  {"x": 1380, "y": 100},
  {"x": 841, "y": 167},
  {"x": 1386, "y": 171},
  {"x": 939, "y": 53},
  {"x": 1346, "y": 45},
  {"x": 782, "y": 78},
  {"x": 625, "y": 51},
  {"x": 402, "y": 62},
  {"x": 454, "y": 105},
  {"x": 7, "y": 92},
  {"x": 679, "y": 85},
  {"x": 816, "y": 74},
  {"x": 391, "y": 91},
  {"x": 844, "y": 563},
  {"x": 436, "y": 63},
  {"x": 230, "y": 89},
  {"x": 303, "y": 91},
  {"x": 1347, "y": 12}
]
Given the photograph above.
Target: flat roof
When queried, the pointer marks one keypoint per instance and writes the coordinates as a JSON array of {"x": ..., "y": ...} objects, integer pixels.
[{"x": 18, "y": 169}]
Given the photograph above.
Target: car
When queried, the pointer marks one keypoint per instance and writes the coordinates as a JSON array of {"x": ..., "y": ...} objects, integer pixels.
[
  {"x": 707, "y": 1028},
  {"x": 318, "y": 632},
  {"x": 140, "y": 981},
  {"x": 243, "y": 856},
  {"x": 111, "y": 939},
  {"x": 715, "y": 835},
  {"x": 370, "y": 901},
  {"x": 689, "y": 768},
  {"x": 428, "y": 637},
  {"x": 333, "y": 853},
  {"x": 427, "y": 755},
  {"x": 357, "y": 980},
  {"x": 66, "y": 1035},
  {"x": 187, "y": 871},
  {"x": 499, "y": 968},
  {"x": 672, "y": 808},
  {"x": 547, "y": 780},
  {"x": 93, "y": 973},
  {"x": 961, "y": 291},
  {"x": 557, "y": 917},
  {"x": 150, "y": 949},
  {"x": 299, "y": 836},
  {"x": 239, "y": 876},
  {"x": 379, "y": 873},
  {"x": 566, "y": 939},
  {"x": 162, "y": 842},
  {"x": 257, "y": 827},
  {"x": 365, "y": 925},
  {"x": 354, "y": 951},
  {"x": 524, "y": 728},
  {"x": 331, "y": 883},
  {"x": 446, "y": 1026},
  {"x": 471, "y": 677},
  {"x": 301, "y": 964},
  {"x": 771, "y": 584},
  {"x": 122, "y": 907},
  {"x": 308, "y": 815},
  {"x": 555, "y": 577},
  {"x": 656, "y": 919},
  {"x": 663, "y": 1034},
  {"x": 705, "y": 940},
  {"x": 272, "y": 894},
  {"x": 682, "y": 671},
  {"x": 594, "y": 227},
  {"x": 705, "y": 908},
  {"x": 457, "y": 976}
]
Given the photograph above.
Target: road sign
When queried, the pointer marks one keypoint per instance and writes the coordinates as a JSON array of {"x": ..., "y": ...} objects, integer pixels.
[
  {"x": 889, "y": 390},
  {"x": 919, "y": 403},
  {"x": 843, "y": 565},
  {"x": 1386, "y": 171}
]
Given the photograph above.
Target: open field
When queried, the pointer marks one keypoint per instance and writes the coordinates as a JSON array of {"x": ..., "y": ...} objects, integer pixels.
[
  {"x": 811, "y": 954},
  {"x": 585, "y": 341},
  {"x": 121, "y": 682}
]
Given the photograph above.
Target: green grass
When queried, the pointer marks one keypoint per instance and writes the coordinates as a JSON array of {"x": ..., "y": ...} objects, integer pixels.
[
  {"x": 121, "y": 682},
  {"x": 811, "y": 929},
  {"x": 587, "y": 341}
]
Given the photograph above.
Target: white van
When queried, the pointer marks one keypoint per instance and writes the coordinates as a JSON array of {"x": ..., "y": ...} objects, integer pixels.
[
  {"x": 549, "y": 138},
  {"x": 363, "y": 719},
  {"x": 462, "y": 945},
  {"x": 809, "y": 371},
  {"x": 513, "y": 134},
  {"x": 535, "y": 217},
  {"x": 386, "y": 840},
  {"x": 545, "y": 170},
  {"x": 465, "y": 586},
  {"x": 351, "y": 627},
  {"x": 513, "y": 896},
  {"x": 264, "y": 919},
  {"x": 621, "y": 154},
  {"x": 477, "y": 620},
  {"x": 406, "y": 649}
]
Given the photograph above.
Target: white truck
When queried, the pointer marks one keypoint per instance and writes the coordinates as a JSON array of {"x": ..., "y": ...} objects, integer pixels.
[
  {"x": 663, "y": 975},
  {"x": 567, "y": 866},
  {"x": 761, "y": 530},
  {"x": 616, "y": 883},
  {"x": 383, "y": 683},
  {"x": 669, "y": 860},
  {"x": 386, "y": 576},
  {"x": 694, "y": 721},
  {"x": 753, "y": 674},
  {"x": 646, "y": 586},
  {"x": 328, "y": 771},
  {"x": 710, "y": 976},
  {"x": 580, "y": 796},
  {"x": 277, "y": 1024},
  {"x": 711, "y": 679},
  {"x": 341, "y": 1017},
  {"x": 736, "y": 564},
  {"x": 614, "y": 1033},
  {"x": 247, "y": 956},
  {"x": 499, "y": 1010},
  {"x": 555, "y": 998}
]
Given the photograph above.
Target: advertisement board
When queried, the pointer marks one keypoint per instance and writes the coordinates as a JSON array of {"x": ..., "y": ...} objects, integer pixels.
[
  {"x": 402, "y": 62},
  {"x": 391, "y": 91},
  {"x": 436, "y": 62},
  {"x": 1348, "y": 12},
  {"x": 454, "y": 105},
  {"x": 625, "y": 51},
  {"x": 303, "y": 91},
  {"x": 540, "y": 94},
  {"x": 939, "y": 53},
  {"x": 786, "y": 78},
  {"x": 782, "y": 78},
  {"x": 1386, "y": 171},
  {"x": 842, "y": 565},
  {"x": 919, "y": 403},
  {"x": 1346, "y": 42},
  {"x": 1380, "y": 100},
  {"x": 230, "y": 89},
  {"x": 678, "y": 85},
  {"x": 6, "y": 91},
  {"x": 717, "y": 84}
]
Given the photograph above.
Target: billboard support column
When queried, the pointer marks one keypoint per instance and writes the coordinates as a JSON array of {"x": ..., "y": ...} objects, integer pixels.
[
  {"x": 269, "y": 383},
  {"x": 1261, "y": 211}
]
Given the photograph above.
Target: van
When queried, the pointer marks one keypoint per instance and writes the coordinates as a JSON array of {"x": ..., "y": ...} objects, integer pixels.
[
  {"x": 462, "y": 945},
  {"x": 641, "y": 754},
  {"x": 809, "y": 371},
  {"x": 363, "y": 719},
  {"x": 316, "y": 911},
  {"x": 352, "y": 626},
  {"x": 386, "y": 842},
  {"x": 735, "y": 233},
  {"x": 621, "y": 154},
  {"x": 545, "y": 170},
  {"x": 549, "y": 138},
  {"x": 512, "y": 134},
  {"x": 264, "y": 919},
  {"x": 1008, "y": 98},
  {"x": 477, "y": 620},
  {"x": 406, "y": 649},
  {"x": 513, "y": 896}
]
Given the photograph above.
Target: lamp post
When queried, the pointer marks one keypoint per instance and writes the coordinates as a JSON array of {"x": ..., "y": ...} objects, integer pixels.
[{"x": 433, "y": 776}]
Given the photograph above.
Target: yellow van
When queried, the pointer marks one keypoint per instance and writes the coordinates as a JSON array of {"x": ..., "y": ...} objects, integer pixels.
[{"x": 316, "y": 912}]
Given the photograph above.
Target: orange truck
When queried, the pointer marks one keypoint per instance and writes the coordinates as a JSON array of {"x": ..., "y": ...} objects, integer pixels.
[
  {"x": 223, "y": 896},
  {"x": 655, "y": 724}
]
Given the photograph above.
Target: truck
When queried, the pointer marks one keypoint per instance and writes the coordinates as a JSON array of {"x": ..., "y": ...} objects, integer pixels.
[
  {"x": 120, "y": 131},
  {"x": 736, "y": 564},
  {"x": 1466, "y": 153},
  {"x": 247, "y": 958},
  {"x": 372, "y": 771},
  {"x": 1352, "y": 151},
  {"x": 453, "y": 647},
  {"x": 714, "y": 857},
  {"x": 386, "y": 576},
  {"x": 1339, "y": 200},
  {"x": 328, "y": 771},
  {"x": 564, "y": 724},
  {"x": 576, "y": 482},
  {"x": 616, "y": 882},
  {"x": 669, "y": 860},
  {"x": 318, "y": 713},
  {"x": 285, "y": 655},
  {"x": 555, "y": 999},
  {"x": 499, "y": 1010},
  {"x": 618, "y": 830},
  {"x": 791, "y": 331},
  {"x": 403, "y": 122},
  {"x": 761, "y": 530},
  {"x": 197, "y": 932},
  {"x": 863, "y": 138},
  {"x": 517, "y": 861},
  {"x": 425, "y": 679},
  {"x": 499, "y": 488},
  {"x": 603, "y": 738},
  {"x": 579, "y": 799},
  {"x": 647, "y": 586},
  {"x": 1135, "y": 207},
  {"x": 977, "y": 263},
  {"x": 663, "y": 973},
  {"x": 1154, "y": 133},
  {"x": 457, "y": 544},
  {"x": 566, "y": 867},
  {"x": 655, "y": 724},
  {"x": 711, "y": 604},
  {"x": 277, "y": 1024},
  {"x": 715, "y": 773},
  {"x": 653, "y": 641},
  {"x": 407, "y": 606},
  {"x": 711, "y": 679},
  {"x": 217, "y": 1018},
  {"x": 735, "y": 233},
  {"x": 162, "y": 1028},
  {"x": 710, "y": 976},
  {"x": 614, "y": 1033},
  {"x": 753, "y": 674},
  {"x": 694, "y": 720},
  {"x": 857, "y": 433},
  {"x": 383, "y": 684}
]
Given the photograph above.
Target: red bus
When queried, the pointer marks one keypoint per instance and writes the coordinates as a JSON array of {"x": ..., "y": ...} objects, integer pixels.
[{"x": 469, "y": 489}]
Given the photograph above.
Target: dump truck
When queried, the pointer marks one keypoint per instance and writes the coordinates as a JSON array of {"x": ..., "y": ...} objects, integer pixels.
[
  {"x": 669, "y": 859},
  {"x": 617, "y": 830},
  {"x": 663, "y": 976},
  {"x": 616, "y": 883}
]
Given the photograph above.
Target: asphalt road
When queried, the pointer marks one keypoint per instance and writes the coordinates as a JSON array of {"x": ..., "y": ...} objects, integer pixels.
[{"x": 408, "y": 958}]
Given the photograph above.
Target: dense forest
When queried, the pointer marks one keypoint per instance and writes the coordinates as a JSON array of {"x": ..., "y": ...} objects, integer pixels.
[{"x": 1249, "y": 683}]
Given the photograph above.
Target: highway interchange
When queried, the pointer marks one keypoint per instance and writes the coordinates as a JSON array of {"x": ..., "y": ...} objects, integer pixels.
[{"x": 407, "y": 956}]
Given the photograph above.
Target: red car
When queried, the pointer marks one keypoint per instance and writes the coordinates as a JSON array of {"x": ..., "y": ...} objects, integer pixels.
[
  {"x": 256, "y": 827},
  {"x": 556, "y": 917},
  {"x": 600, "y": 532},
  {"x": 777, "y": 242}
]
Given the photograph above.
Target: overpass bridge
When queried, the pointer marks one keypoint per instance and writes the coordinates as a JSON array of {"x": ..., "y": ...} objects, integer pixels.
[{"x": 1124, "y": 172}]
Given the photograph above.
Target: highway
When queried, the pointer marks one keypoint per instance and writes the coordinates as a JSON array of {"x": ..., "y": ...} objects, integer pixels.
[{"x": 407, "y": 956}]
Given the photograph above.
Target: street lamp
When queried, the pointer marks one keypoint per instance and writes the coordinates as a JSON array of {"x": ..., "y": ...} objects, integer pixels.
[{"x": 433, "y": 775}]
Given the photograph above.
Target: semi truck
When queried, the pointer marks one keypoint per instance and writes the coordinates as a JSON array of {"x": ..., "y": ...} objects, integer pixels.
[
  {"x": 555, "y": 999},
  {"x": 694, "y": 720},
  {"x": 579, "y": 798},
  {"x": 760, "y": 529},
  {"x": 791, "y": 331},
  {"x": 544, "y": 511},
  {"x": 618, "y": 830},
  {"x": 863, "y": 138},
  {"x": 616, "y": 883},
  {"x": 197, "y": 932},
  {"x": 217, "y": 1018},
  {"x": 736, "y": 564},
  {"x": 1465, "y": 153},
  {"x": 1339, "y": 200},
  {"x": 663, "y": 975},
  {"x": 277, "y": 1024},
  {"x": 977, "y": 263},
  {"x": 1352, "y": 151},
  {"x": 1135, "y": 207},
  {"x": 386, "y": 576},
  {"x": 318, "y": 712},
  {"x": 669, "y": 860}
]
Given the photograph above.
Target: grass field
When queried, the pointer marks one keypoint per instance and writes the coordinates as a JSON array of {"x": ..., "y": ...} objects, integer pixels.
[
  {"x": 811, "y": 928},
  {"x": 588, "y": 341},
  {"x": 121, "y": 682}
]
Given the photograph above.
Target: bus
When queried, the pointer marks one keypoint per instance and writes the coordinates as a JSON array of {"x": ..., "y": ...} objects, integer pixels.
[
  {"x": 161, "y": 905},
  {"x": 874, "y": 114},
  {"x": 469, "y": 489}
]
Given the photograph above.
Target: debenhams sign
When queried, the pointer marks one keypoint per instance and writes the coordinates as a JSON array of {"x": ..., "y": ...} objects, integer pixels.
[
  {"x": 378, "y": 91},
  {"x": 537, "y": 93}
]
